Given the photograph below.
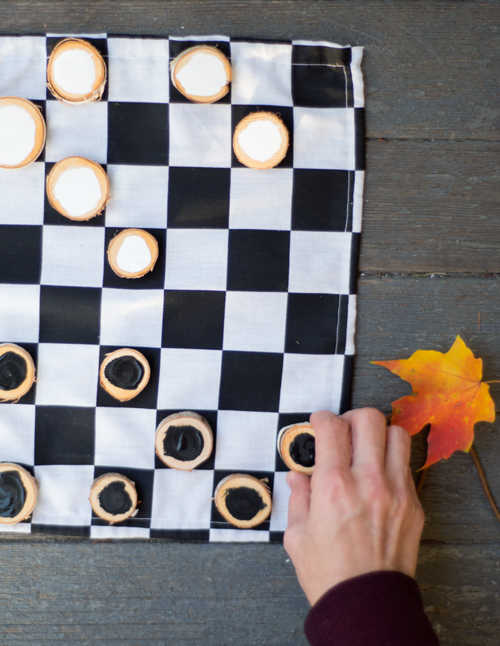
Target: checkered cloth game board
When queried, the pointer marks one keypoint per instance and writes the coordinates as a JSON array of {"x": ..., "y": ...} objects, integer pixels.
[{"x": 248, "y": 317}]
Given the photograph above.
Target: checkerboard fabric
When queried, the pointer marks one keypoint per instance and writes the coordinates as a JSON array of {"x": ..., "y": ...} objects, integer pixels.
[{"x": 248, "y": 317}]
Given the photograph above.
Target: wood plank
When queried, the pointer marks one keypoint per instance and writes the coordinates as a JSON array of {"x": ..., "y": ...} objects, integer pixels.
[
  {"x": 396, "y": 317},
  {"x": 431, "y": 69},
  {"x": 152, "y": 594},
  {"x": 431, "y": 207}
]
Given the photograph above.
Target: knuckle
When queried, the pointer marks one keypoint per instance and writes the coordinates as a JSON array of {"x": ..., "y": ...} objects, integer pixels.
[{"x": 372, "y": 416}]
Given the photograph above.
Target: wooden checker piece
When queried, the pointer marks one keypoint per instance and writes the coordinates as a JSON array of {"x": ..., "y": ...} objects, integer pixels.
[
  {"x": 296, "y": 447},
  {"x": 184, "y": 440},
  {"x": 114, "y": 498},
  {"x": 22, "y": 132},
  {"x": 202, "y": 74},
  {"x": 133, "y": 253},
  {"x": 260, "y": 140},
  {"x": 78, "y": 188},
  {"x": 243, "y": 500},
  {"x": 76, "y": 72},
  {"x": 124, "y": 373},
  {"x": 18, "y": 493},
  {"x": 17, "y": 372}
]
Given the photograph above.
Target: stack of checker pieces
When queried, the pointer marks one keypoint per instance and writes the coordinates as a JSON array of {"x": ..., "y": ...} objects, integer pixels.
[{"x": 248, "y": 317}]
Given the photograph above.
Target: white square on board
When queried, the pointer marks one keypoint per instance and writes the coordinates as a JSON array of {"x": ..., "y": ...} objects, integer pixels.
[
  {"x": 246, "y": 440},
  {"x": 17, "y": 433},
  {"x": 261, "y": 199},
  {"x": 98, "y": 532},
  {"x": 182, "y": 499},
  {"x": 281, "y": 494},
  {"x": 238, "y": 535},
  {"x": 19, "y": 313},
  {"x": 255, "y": 321},
  {"x": 324, "y": 138},
  {"x": 22, "y": 194},
  {"x": 138, "y": 70},
  {"x": 189, "y": 379},
  {"x": 67, "y": 374},
  {"x": 132, "y": 317},
  {"x": 320, "y": 262},
  {"x": 77, "y": 130},
  {"x": 63, "y": 495},
  {"x": 200, "y": 135},
  {"x": 311, "y": 382},
  {"x": 125, "y": 437},
  {"x": 23, "y": 63},
  {"x": 70, "y": 259},
  {"x": 262, "y": 74},
  {"x": 139, "y": 196},
  {"x": 196, "y": 259}
]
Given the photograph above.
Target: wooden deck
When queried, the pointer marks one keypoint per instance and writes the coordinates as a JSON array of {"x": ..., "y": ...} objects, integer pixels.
[{"x": 430, "y": 263}]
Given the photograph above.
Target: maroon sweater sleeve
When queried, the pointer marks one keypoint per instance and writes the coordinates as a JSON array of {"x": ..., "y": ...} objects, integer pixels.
[{"x": 375, "y": 609}]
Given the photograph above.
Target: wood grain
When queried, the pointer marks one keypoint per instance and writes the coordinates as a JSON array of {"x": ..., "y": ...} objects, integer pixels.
[
  {"x": 431, "y": 69},
  {"x": 431, "y": 207}
]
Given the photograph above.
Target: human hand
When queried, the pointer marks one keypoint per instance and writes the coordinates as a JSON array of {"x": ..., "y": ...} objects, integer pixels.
[{"x": 359, "y": 512}]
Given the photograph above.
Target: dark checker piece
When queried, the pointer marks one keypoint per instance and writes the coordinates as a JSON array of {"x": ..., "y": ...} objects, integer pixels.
[
  {"x": 12, "y": 494},
  {"x": 183, "y": 443},
  {"x": 124, "y": 372},
  {"x": 13, "y": 371}
]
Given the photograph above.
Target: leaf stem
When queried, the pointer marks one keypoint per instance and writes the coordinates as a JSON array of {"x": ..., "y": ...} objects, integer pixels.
[
  {"x": 491, "y": 382},
  {"x": 421, "y": 481},
  {"x": 484, "y": 482}
]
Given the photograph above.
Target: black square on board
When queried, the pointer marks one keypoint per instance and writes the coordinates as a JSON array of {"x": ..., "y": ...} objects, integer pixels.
[
  {"x": 211, "y": 417},
  {"x": 286, "y": 419},
  {"x": 198, "y": 198},
  {"x": 218, "y": 521},
  {"x": 320, "y": 86},
  {"x": 147, "y": 398},
  {"x": 70, "y": 314},
  {"x": 138, "y": 133},
  {"x": 312, "y": 321},
  {"x": 258, "y": 260},
  {"x": 51, "y": 216},
  {"x": 251, "y": 381},
  {"x": 64, "y": 435},
  {"x": 190, "y": 535},
  {"x": 80, "y": 531},
  {"x": 322, "y": 200},
  {"x": 20, "y": 254},
  {"x": 179, "y": 46},
  {"x": 285, "y": 113},
  {"x": 101, "y": 44},
  {"x": 193, "y": 319},
  {"x": 143, "y": 480},
  {"x": 32, "y": 349},
  {"x": 152, "y": 280}
]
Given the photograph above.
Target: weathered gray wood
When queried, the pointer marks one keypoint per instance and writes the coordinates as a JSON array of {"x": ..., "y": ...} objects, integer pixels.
[
  {"x": 396, "y": 317},
  {"x": 156, "y": 594},
  {"x": 152, "y": 594},
  {"x": 431, "y": 206},
  {"x": 431, "y": 68}
]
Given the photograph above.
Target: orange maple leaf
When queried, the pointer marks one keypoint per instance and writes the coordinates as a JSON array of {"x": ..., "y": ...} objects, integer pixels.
[{"x": 447, "y": 393}]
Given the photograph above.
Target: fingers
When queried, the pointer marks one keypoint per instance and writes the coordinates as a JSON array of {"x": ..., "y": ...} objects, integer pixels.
[
  {"x": 369, "y": 430},
  {"x": 333, "y": 442},
  {"x": 397, "y": 455},
  {"x": 298, "y": 503}
]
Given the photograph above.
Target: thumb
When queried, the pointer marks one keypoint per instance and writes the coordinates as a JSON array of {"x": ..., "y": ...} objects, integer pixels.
[{"x": 300, "y": 496}]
